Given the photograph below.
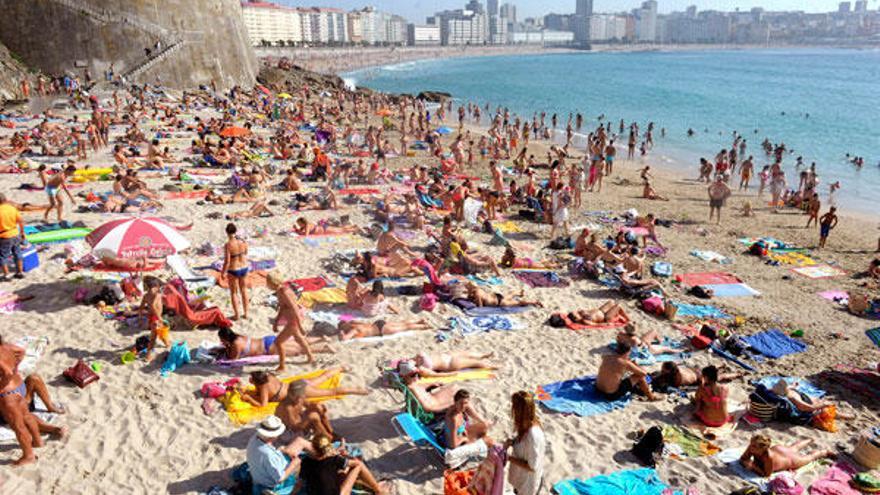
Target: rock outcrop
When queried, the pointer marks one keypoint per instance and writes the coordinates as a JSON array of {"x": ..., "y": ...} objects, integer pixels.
[
  {"x": 11, "y": 74},
  {"x": 198, "y": 40}
]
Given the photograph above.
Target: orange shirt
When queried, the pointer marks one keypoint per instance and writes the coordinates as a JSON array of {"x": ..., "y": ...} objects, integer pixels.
[{"x": 9, "y": 219}]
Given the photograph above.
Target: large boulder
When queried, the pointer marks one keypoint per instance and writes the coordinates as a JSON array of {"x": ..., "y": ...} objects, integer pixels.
[{"x": 434, "y": 96}]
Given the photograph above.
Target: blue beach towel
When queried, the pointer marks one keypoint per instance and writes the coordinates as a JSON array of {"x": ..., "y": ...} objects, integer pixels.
[
  {"x": 774, "y": 344},
  {"x": 632, "y": 482},
  {"x": 662, "y": 268},
  {"x": 493, "y": 310},
  {"x": 874, "y": 335},
  {"x": 480, "y": 324},
  {"x": 803, "y": 386},
  {"x": 578, "y": 396},
  {"x": 177, "y": 357},
  {"x": 700, "y": 311},
  {"x": 732, "y": 290}
]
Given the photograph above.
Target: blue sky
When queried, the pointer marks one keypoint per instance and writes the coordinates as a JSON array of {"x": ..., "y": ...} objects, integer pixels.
[{"x": 416, "y": 10}]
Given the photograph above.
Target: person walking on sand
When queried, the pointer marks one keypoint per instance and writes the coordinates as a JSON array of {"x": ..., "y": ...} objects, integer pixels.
[
  {"x": 54, "y": 185},
  {"x": 11, "y": 238},
  {"x": 718, "y": 194},
  {"x": 235, "y": 269},
  {"x": 291, "y": 314},
  {"x": 826, "y": 223}
]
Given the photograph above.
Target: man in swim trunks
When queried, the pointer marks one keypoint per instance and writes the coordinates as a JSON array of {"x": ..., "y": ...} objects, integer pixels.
[
  {"x": 718, "y": 194},
  {"x": 826, "y": 223},
  {"x": 618, "y": 376}
]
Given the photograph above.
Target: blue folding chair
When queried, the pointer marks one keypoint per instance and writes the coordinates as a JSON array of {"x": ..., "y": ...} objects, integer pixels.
[{"x": 418, "y": 433}]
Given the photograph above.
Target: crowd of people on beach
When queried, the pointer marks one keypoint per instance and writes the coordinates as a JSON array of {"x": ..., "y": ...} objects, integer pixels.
[{"x": 330, "y": 150}]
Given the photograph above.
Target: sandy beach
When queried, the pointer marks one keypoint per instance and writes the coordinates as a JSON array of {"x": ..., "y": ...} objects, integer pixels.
[{"x": 135, "y": 431}]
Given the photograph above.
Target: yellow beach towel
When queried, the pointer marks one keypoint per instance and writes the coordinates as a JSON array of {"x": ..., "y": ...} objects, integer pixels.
[
  {"x": 242, "y": 413},
  {"x": 327, "y": 295},
  {"x": 508, "y": 227},
  {"x": 461, "y": 376},
  {"x": 792, "y": 259}
]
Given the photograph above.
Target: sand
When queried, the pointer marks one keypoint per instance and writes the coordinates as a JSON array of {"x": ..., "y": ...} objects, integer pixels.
[{"x": 136, "y": 432}]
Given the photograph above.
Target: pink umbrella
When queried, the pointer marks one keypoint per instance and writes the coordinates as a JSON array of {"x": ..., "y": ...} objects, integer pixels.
[{"x": 137, "y": 238}]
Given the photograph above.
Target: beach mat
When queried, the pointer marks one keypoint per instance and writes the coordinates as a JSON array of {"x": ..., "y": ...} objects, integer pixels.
[
  {"x": 380, "y": 338},
  {"x": 540, "y": 279},
  {"x": 690, "y": 444},
  {"x": 699, "y": 311},
  {"x": 874, "y": 335},
  {"x": 327, "y": 295},
  {"x": 775, "y": 344},
  {"x": 34, "y": 347},
  {"x": 732, "y": 290},
  {"x": 186, "y": 194},
  {"x": 707, "y": 278},
  {"x": 242, "y": 413},
  {"x": 731, "y": 456},
  {"x": 819, "y": 271},
  {"x": 803, "y": 385},
  {"x": 39, "y": 410},
  {"x": 633, "y": 482},
  {"x": 578, "y": 396},
  {"x": 493, "y": 310},
  {"x": 470, "y": 325},
  {"x": 835, "y": 295}
]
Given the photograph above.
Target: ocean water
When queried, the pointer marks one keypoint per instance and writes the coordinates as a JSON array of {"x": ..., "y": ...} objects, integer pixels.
[{"x": 822, "y": 103}]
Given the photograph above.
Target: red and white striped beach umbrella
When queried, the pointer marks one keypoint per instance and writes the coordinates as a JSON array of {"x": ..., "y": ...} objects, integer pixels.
[{"x": 137, "y": 238}]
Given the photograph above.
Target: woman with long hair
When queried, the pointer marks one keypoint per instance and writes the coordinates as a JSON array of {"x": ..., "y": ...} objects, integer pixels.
[{"x": 526, "y": 472}]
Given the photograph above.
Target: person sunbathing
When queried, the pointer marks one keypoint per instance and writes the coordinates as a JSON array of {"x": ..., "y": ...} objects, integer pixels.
[
  {"x": 803, "y": 403},
  {"x": 268, "y": 388},
  {"x": 647, "y": 341},
  {"x": 355, "y": 329},
  {"x": 447, "y": 363},
  {"x": 628, "y": 281},
  {"x": 765, "y": 459},
  {"x": 510, "y": 260},
  {"x": 482, "y": 298},
  {"x": 305, "y": 228},
  {"x": 472, "y": 263},
  {"x": 711, "y": 399},
  {"x": 236, "y": 346},
  {"x": 324, "y": 201},
  {"x": 371, "y": 302},
  {"x": 258, "y": 210},
  {"x": 685, "y": 376},
  {"x": 240, "y": 196},
  {"x": 301, "y": 417},
  {"x": 432, "y": 397},
  {"x": 618, "y": 376},
  {"x": 388, "y": 243},
  {"x": 395, "y": 265},
  {"x": 609, "y": 312}
]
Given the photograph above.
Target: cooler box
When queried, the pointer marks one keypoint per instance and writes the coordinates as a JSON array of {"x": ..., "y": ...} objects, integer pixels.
[{"x": 29, "y": 258}]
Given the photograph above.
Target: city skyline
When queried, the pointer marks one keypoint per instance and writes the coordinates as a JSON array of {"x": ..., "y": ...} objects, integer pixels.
[{"x": 417, "y": 10}]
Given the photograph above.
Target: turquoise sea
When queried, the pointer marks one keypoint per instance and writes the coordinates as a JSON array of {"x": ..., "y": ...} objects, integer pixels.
[{"x": 822, "y": 103}]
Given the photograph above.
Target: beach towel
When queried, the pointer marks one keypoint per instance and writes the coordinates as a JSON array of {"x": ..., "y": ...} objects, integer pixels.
[
  {"x": 711, "y": 256},
  {"x": 732, "y": 290},
  {"x": 508, "y": 227},
  {"x": 730, "y": 357},
  {"x": 578, "y": 396},
  {"x": 775, "y": 344},
  {"x": 327, "y": 295},
  {"x": 34, "y": 347},
  {"x": 193, "y": 280},
  {"x": 636, "y": 231},
  {"x": 174, "y": 301},
  {"x": 819, "y": 271},
  {"x": 187, "y": 194},
  {"x": 841, "y": 296},
  {"x": 251, "y": 280},
  {"x": 702, "y": 312},
  {"x": 494, "y": 310},
  {"x": 380, "y": 338},
  {"x": 862, "y": 381},
  {"x": 662, "y": 268},
  {"x": 465, "y": 326},
  {"x": 242, "y": 413},
  {"x": 705, "y": 278},
  {"x": 689, "y": 444},
  {"x": 804, "y": 386},
  {"x": 542, "y": 279},
  {"x": 359, "y": 191},
  {"x": 311, "y": 284},
  {"x": 874, "y": 335},
  {"x": 792, "y": 258},
  {"x": 633, "y": 482},
  {"x": 731, "y": 456},
  {"x": 149, "y": 267},
  {"x": 40, "y": 411},
  {"x": 836, "y": 481},
  {"x": 485, "y": 281},
  {"x": 714, "y": 433}
]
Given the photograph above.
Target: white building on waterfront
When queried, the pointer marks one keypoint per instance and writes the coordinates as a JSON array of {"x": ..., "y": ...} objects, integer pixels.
[
  {"x": 423, "y": 35},
  {"x": 462, "y": 27},
  {"x": 268, "y": 23},
  {"x": 607, "y": 27},
  {"x": 646, "y": 22}
]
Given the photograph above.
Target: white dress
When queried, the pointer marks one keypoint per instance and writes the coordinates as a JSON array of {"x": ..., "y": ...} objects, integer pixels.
[{"x": 529, "y": 448}]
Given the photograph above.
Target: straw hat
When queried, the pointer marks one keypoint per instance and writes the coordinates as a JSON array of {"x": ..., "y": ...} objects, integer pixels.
[{"x": 271, "y": 427}]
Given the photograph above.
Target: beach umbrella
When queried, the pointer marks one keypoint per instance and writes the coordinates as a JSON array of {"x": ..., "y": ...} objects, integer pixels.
[
  {"x": 136, "y": 238},
  {"x": 384, "y": 112},
  {"x": 234, "y": 131},
  {"x": 284, "y": 96},
  {"x": 264, "y": 89}
]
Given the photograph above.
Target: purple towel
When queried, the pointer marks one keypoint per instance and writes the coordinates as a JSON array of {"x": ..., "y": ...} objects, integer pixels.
[{"x": 540, "y": 279}]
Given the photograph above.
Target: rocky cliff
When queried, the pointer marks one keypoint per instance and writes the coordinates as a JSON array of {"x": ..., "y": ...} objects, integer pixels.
[
  {"x": 11, "y": 74},
  {"x": 198, "y": 40}
]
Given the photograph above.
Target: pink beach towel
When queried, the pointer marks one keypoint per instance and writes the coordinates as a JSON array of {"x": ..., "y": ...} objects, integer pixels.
[
  {"x": 836, "y": 481},
  {"x": 707, "y": 278}
]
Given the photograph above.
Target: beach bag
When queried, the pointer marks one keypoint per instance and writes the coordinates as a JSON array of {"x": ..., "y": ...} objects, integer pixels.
[
  {"x": 428, "y": 302},
  {"x": 456, "y": 482},
  {"x": 556, "y": 321},
  {"x": 649, "y": 447},
  {"x": 785, "y": 484},
  {"x": 653, "y": 305},
  {"x": 762, "y": 410},
  {"x": 709, "y": 331},
  {"x": 81, "y": 374},
  {"x": 489, "y": 477}
]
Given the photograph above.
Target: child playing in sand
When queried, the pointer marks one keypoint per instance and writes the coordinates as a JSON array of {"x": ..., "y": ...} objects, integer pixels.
[{"x": 151, "y": 304}]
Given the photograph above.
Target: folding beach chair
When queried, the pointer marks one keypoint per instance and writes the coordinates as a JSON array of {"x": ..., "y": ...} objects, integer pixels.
[{"x": 417, "y": 432}]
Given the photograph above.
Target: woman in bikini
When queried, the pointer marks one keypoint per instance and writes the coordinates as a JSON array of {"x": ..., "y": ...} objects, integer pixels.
[
  {"x": 765, "y": 459},
  {"x": 607, "y": 313},
  {"x": 268, "y": 388},
  {"x": 380, "y": 328},
  {"x": 235, "y": 269},
  {"x": 395, "y": 265},
  {"x": 305, "y": 228},
  {"x": 495, "y": 299},
  {"x": 711, "y": 399},
  {"x": 451, "y": 362},
  {"x": 237, "y": 346}
]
